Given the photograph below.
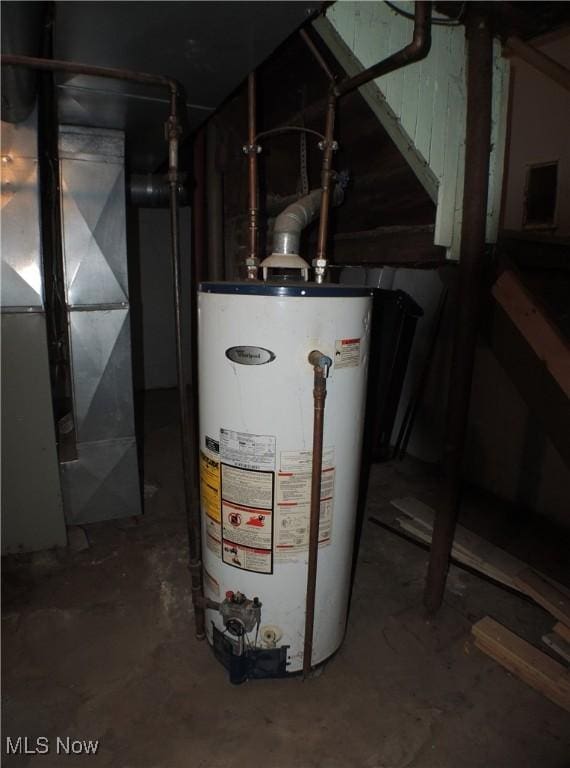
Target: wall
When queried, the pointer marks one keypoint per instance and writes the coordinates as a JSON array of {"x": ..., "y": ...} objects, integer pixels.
[
  {"x": 422, "y": 106},
  {"x": 153, "y": 334},
  {"x": 507, "y": 454},
  {"x": 540, "y": 116}
]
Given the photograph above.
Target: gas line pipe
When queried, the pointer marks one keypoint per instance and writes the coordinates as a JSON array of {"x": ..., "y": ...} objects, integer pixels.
[{"x": 321, "y": 365}]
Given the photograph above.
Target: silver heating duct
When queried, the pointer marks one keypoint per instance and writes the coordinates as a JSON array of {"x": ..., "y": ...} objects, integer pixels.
[
  {"x": 103, "y": 482},
  {"x": 32, "y": 514}
]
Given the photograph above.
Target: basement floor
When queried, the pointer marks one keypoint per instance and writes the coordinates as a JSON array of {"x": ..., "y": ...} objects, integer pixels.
[{"x": 98, "y": 644}]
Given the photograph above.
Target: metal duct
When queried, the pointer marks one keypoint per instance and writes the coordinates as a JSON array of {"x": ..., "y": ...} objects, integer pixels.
[
  {"x": 21, "y": 33},
  {"x": 291, "y": 222}
]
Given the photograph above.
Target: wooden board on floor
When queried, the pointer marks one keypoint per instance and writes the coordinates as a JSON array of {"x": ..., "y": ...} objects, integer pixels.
[
  {"x": 558, "y": 645},
  {"x": 481, "y": 555},
  {"x": 457, "y": 553},
  {"x": 473, "y": 545},
  {"x": 563, "y": 630},
  {"x": 545, "y": 594},
  {"x": 522, "y": 659}
]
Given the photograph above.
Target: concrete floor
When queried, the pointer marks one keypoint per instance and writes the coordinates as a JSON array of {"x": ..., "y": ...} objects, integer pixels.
[{"x": 98, "y": 644}]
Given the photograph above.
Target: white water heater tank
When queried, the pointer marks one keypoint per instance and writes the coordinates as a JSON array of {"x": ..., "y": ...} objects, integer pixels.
[{"x": 256, "y": 433}]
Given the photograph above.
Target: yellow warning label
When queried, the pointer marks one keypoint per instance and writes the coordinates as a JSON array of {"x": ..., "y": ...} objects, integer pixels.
[{"x": 210, "y": 486}]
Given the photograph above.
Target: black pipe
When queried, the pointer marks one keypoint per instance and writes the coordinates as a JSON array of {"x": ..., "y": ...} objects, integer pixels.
[
  {"x": 471, "y": 273},
  {"x": 152, "y": 190}
]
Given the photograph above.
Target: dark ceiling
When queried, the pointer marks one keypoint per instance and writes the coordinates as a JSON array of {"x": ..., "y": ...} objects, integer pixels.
[{"x": 208, "y": 46}]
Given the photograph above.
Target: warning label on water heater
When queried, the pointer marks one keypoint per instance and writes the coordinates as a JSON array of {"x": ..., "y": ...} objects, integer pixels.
[
  {"x": 347, "y": 353},
  {"x": 247, "y": 519},
  {"x": 293, "y": 503}
]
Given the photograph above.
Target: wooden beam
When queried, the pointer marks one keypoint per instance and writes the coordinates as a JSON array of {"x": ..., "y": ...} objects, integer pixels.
[
  {"x": 544, "y": 338},
  {"x": 540, "y": 61},
  {"x": 535, "y": 357},
  {"x": 522, "y": 659}
]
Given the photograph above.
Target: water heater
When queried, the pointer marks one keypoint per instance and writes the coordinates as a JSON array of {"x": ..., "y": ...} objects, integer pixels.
[{"x": 256, "y": 433}]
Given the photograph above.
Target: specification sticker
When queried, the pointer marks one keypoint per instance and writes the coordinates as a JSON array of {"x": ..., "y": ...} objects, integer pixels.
[
  {"x": 293, "y": 504},
  {"x": 247, "y": 518},
  {"x": 247, "y": 451},
  {"x": 347, "y": 353}
]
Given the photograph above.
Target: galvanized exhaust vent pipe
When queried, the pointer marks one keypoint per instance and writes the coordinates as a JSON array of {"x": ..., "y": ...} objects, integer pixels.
[{"x": 293, "y": 220}]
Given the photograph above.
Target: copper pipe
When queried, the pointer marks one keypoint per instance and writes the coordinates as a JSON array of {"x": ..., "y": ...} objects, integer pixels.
[
  {"x": 416, "y": 50},
  {"x": 74, "y": 68},
  {"x": 251, "y": 151},
  {"x": 199, "y": 208},
  {"x": 472, "y": 265},
  {"x": 326, "y": 183},
  {"x": 187, "y": 426},
  {"x": 321, "y": 364},
  {"x": 317, "y": 54}
]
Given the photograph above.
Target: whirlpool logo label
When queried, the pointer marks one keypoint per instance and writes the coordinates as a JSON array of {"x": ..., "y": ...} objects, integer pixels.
[{"x": 250, "y": 355}]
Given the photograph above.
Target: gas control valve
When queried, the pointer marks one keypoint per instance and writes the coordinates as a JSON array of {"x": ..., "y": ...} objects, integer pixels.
[{"x": 240, "y": 614}]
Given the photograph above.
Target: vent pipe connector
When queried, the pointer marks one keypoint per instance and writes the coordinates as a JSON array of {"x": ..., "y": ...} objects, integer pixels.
[{"x": 293, "y": 220}]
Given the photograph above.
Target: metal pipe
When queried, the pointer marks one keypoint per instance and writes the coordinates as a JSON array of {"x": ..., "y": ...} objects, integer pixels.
[
  {"x": 214, "y": 205},
  {"x": 416, "y": 50},
  {"x": 329, "y": 146},
  {"x": 290, "y": 223},
  {"x": 21, "y": 30},
  {"x": 317, "y": 54},
  {"x": 251, "y": 150},
  {"x": 471, "y": 273},
  {"x": 540, "y": 61},
  {"x": 152, "y": 190},
  {"x": 75, "y": 68},
  {"x": 321, "y": 364},
  {"x": 188, "y": 429},
  {"x": 199, "y": 209}
]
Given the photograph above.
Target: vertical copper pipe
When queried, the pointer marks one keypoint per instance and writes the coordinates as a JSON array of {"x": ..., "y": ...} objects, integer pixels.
[
  {"x": 320, "y": 363},
  {"x": 471, "y": 274},
  {"x": 416, "y": 50},
  {"x": 251, "y": 150},
  {"x": 199, "y": 208},
  {"x": 326, "y": 179}
]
